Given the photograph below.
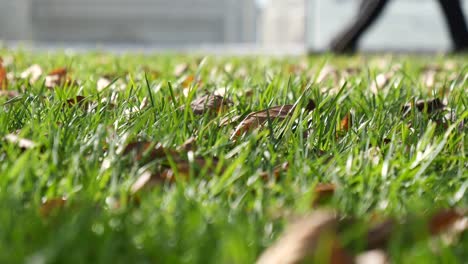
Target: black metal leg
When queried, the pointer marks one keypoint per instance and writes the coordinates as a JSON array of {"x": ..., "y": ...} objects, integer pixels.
[
  {"x": 347, "y": 40},
  {"x": 456, "y": 23}
]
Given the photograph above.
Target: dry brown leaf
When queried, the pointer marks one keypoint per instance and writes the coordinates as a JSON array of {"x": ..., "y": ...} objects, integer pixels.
[
  {"x": 20, "y": 142},
  {"x": 259, "y": 118},
  {"x": 3, "y": 76},
  {"x": 323, "y": 193},
  {"x": 33, "y": 73},
  {"x": 443, "y": 220},
  {"x": 50, "y": 206},
  {"x": 302, "y": 239},
  {"x": 209, "y": 104},
  {"x": 431, "y": 106}
]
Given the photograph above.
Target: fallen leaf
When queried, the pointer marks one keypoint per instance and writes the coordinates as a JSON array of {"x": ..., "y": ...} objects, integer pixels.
[
  {"x": 145, "y": 149},
  {"x": 189, "y": 145},
  {"x": 323, "y": 192},
  {"x": 430, "y": 106},
  {"x": 33, "y": 73},
  {"x": 209, "y": 104},
  {"x": 379, "y": 235},
  {"x": 9, "y": 93},
  {"x": 145, "y": 181},
  {"x": 102, "y": 83},
  {"x": 372, "y": 257},
  {"x": 301, "y": 241},
  {"x": 277, "y": 170},
  {"x": 49, "y": 206},
  {"x": 443, "y": 220},
  {"x": 149, "y": 179},
  {"x": 3, "y": 76},
  {"x": 328, "y": 72},
  {"x": 180, "y": 69},
  {"x": 258, "y": 119},
  {"x": 22, "y": 143},
  {"x": 381, "y": 80},
  {"x": 345, "y": 123},
  {"x": 58, "y": 77},
  {"x": 76, "y": 100}
]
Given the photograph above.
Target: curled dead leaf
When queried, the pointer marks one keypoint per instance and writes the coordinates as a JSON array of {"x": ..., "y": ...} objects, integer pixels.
[
  {"x": 431, "y": 106},
  {"x": 209, "y": 104},
  {"x": 259, "y": 118},
  {"x": 188, "y": 145},
  {"x": 379, "y": 235},
  {"x": 443, "y": 220},
  {"x": 145, "y": 149},
  {"x": 323, "y": 192},
  {"x": 277, "y": 170},
  {"x": 50, "y": 206},
  {"x": 302, "y": 239},
  {"x": 58, "y": 77},
  {"x": 76, "y": 100},
  {"x": 168, "y": 173}
]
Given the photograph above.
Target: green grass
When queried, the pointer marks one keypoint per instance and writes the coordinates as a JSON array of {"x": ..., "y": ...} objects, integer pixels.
[{"x": 230, "y": 214}]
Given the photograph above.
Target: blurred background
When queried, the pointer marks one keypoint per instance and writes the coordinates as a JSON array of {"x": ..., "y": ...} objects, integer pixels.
[{"x": 285, "y": 25}]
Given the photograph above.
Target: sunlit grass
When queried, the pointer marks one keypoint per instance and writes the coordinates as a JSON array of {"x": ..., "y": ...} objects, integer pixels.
[{"x": 386, "y": 163}]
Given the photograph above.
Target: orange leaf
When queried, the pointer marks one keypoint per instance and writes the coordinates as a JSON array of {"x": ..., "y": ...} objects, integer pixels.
[
  {"x": 3, "y": 77},
  {"x": 345, "y": 122}
]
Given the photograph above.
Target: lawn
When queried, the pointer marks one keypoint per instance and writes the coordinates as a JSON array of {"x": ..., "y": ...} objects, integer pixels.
[{"x": 174, "y": 158}]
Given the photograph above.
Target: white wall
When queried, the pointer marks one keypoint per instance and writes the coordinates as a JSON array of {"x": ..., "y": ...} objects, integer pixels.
[{"x": 160, "y": 22}]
